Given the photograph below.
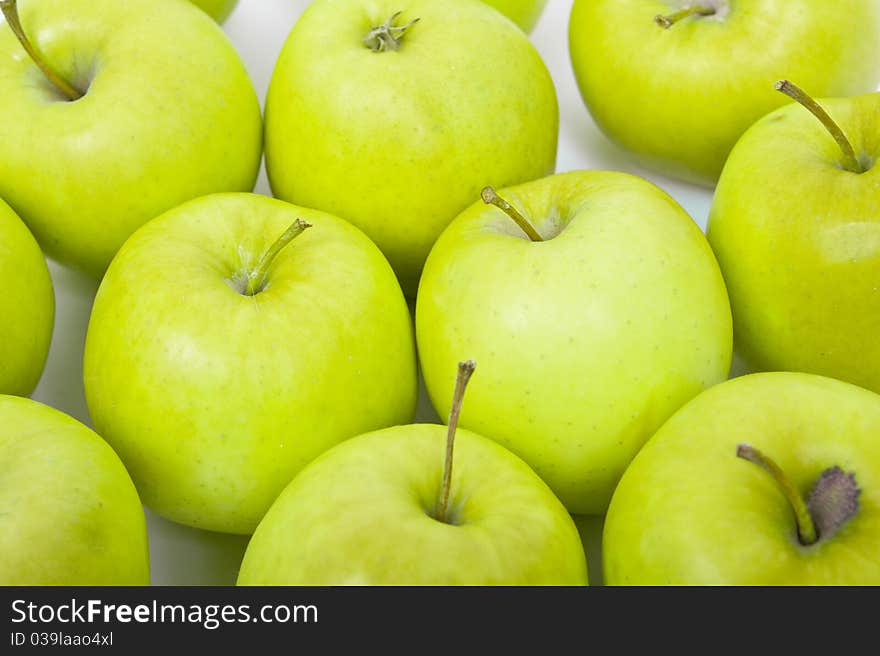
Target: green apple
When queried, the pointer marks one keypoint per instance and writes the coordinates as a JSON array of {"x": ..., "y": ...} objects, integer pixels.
[
  {"x": 219, "y": 10},
  {"x": 69, "y": 513},
  {"x": 218, "y": 363},
  {"x": 680, "y": 97},
  {"x": 524, "y": 13},
  {"x": 689, "y": 511},
  {"x": 395, "y": 121},
  {"x": 796, "y": 228},
  {"x": 167, "y": 113},
  {"x": 593, "y": 331},
  {"x": 387, "y": 508},
  {"x": 27, "y": 307}
]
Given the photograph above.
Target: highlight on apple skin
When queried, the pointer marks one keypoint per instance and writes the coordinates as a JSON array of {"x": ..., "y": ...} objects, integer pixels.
[
  {"x": 145, "y": 133},
  {"x": 679, "y": 98},
  {"x": 796, "y": 228},
  {"x": 71, "y": 515},
  {"x": 691, "y": 510},
  {"x": 27, "y": 307},
  {"x": 362, "y": 123},
  {"x": 220, "y": 360},
  {"x": 588, "y": 340}
]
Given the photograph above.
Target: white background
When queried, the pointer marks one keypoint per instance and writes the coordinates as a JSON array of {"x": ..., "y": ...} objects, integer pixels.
[{"x": 185, "y": 556}]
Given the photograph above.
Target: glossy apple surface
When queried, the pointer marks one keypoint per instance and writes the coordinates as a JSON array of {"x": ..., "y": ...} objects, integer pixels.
[
  {"x": 362, "y": 514},
  {"x": 71, "y": 515},
  {"x": 689, "y": 511},
  {"x": 798, "y": 240},
  {"x": 168, "y": 114},
  {"x": 215, "y": 399},
  {"x": 679, "y": 98},
  {"x": 587, "y": 341},
  {"x": 27, "y": 307},
  {"x": 399, "y": 142}
]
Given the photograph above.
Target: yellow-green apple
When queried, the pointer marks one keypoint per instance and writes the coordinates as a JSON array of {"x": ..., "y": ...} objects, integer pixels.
[
  {"x": 394, "y": 121},
  {"x": 524, "y": 13},
  {"x": 677, "y": 82},
  {"x": 795, "y": 224},
  {"x": 27, "y": 307},
  {"x": 219, "y": 10},
  {"x": 139, "y": 106},
  {"x": 220, "y": 359},
  {"x": 69, "y": 513},
  {"x": 389, "y": 508},
  {"x": 594, "y": 329},
  {"x": 696, "y": 506}
]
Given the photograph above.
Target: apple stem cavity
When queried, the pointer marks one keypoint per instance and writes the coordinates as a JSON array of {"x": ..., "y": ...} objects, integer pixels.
[
  {"x": 491, "y": 198},
  {"x": 833, "y": 501},
  {"x": 693, "y": 10},
  {"x": 850, "y": 161},
  {"x": 388, "y": 36},
  {"x": 256, "y": 280},
  {"x": 10, "y": 12},
  {"x": 465, "y": 371}
]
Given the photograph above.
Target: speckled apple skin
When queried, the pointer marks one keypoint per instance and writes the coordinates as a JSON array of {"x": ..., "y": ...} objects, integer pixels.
[
  {"x": 688, "y": 511},
  {"x": 586, "y": 342},
  {"x": 170, "y": 114},
  {"x": 362, "y": 514},
  {"x": 400, "y": 142},
  {"x": 215, "y": 400},
  {"x": 69, "y": 513},
  {"x": 798, "y": 241}
]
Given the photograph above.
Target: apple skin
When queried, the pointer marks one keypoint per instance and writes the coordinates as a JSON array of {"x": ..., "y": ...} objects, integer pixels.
[
  {"x": 679, "y": 99},
  {"x": 689, "y": 511},
  {"x": 170, "y": 114},
  {"x": 214, "y": 400},
  {"x": 587, "y": 342},
  {"x": 27, "y": 305},
  {"x": 798, "y": 241},
  {"x": 71, "y": 515},
  {"x": 400, "y": 142},
  {"x": 219, "y": 10},
  {"x": 524, "y": 13},
  {"x": 362, "y": 514}
]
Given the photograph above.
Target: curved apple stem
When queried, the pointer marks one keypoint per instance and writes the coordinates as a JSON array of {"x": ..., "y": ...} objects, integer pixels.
[
  {"x": 10, "y": 11},
  {"x": 805, "y": 526},
  {"x": 465, "y": 371},
  {"x": 694, "y": 10},
  {"x": 388, "y": 36},
  {"x": 851, "y": 162},
  {"x": 256, "y": 280},
  {"x": 491, "y": 198}
]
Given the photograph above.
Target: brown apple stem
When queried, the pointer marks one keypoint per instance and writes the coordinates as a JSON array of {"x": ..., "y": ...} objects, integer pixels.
[
  {"x": 850, "y": 161},
  {"x": 257, "y": 279},
  {"x": 694, "y": 10},
  {"x": 10, "y": 11},
  {"x": 388, "y": 36},
  {"x": 491, "y": 198},
  {"x": 805, "y": 526},
  {"x": 465, "y": 371}
]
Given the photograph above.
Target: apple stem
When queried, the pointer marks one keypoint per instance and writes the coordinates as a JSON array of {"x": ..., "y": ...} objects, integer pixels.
[
  {"x": 806, "y": 528},
  {"x": 10, "y": 11},
  {"x": 256, "y": 281},
  {"x": 465, "y": 371},
  {"x": 491, "y": 198},
  {"x": 388, "y": 36},
  {"x": 694, "y": 10},
  {"x": 851, "y": 162}
]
